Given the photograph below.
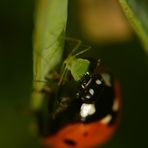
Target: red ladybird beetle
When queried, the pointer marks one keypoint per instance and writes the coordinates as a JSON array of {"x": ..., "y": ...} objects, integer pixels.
[{"x": 80, "y": 114}]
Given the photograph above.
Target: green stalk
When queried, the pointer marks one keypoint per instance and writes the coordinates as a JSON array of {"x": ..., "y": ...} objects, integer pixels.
[{"x": 136, "y": 22}]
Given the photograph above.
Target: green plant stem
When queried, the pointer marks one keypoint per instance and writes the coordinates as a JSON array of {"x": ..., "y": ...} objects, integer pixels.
[{"x": 135, "y": 23}]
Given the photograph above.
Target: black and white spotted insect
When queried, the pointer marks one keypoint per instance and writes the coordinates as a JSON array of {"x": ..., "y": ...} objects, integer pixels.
[
  {"x": 91, "y": 87},
  {"x": 80, "y": 111},
  {"x": 96, "y": 93}
]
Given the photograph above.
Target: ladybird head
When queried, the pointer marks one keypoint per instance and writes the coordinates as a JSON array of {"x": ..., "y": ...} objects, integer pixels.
[{"x": 91, "y": 87}]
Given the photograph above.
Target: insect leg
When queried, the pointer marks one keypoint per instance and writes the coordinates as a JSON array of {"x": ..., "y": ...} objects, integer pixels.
[
  {"x": 78, "y": 43},
  {"x": 64, "y": 73}
]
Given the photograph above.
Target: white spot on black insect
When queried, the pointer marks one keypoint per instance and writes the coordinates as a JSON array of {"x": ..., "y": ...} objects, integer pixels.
[
  {"x": 77, "y": 94},
  {"x": 115, "y": 106},
  {"x": 82, "y": 86},
  {"x": 87, "y": 109},
  {"x": 88, "y": 97},
  {"x": 88, "y": 82},
  {"x": 91, "y": 91},
  {"x": 98, "y": 82},
  {"x": 107, "y": 79},
  {"x": 107, "y": 119}
]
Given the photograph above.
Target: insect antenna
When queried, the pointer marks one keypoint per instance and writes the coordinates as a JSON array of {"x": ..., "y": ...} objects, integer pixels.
[
  {"x": 78, "y": 43},
  {"x": 76, "y": 47},
  {"x": 83, "y": 51},
  {"x": 97, "y": 65}
]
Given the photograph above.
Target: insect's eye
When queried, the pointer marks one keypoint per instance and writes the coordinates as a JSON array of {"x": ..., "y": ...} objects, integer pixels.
[
  {"x": 97, "y": 81},
  {"x": 91, "y": 87}
]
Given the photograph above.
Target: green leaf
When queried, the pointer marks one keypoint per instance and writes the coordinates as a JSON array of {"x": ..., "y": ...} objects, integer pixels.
[
  {"x": 137, "y": 13},
  {"x": 79, "y": 67},
  {"x": 49, "y": 34}
]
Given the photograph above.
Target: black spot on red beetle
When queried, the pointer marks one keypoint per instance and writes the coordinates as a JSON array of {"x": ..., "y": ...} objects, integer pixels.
[
  {"x": 85, "y": 133},
  {"x": 70, "y": 142}
]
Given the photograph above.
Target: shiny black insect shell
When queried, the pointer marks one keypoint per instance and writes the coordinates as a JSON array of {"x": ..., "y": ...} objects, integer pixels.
[
  {"x": 97, "y": 95},
  {"x": 91, "y": 87},
  {"x": 86, "y": 101}
]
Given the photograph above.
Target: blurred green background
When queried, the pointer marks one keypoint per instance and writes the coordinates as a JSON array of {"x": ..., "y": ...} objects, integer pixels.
[
  {"x": 126, "y": 59},
  {"x": 16, "y": 24}
]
